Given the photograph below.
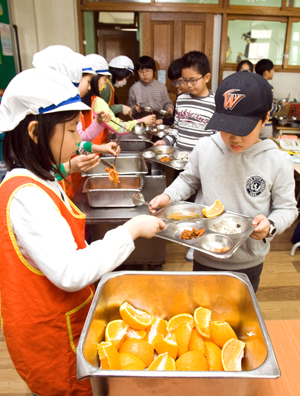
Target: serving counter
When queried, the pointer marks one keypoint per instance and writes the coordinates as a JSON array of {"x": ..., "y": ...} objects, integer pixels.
[{"x": 149, "y": 252}]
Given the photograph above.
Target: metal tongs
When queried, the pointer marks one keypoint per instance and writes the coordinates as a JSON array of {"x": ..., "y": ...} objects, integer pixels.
[{"x": 107, "y": 163}]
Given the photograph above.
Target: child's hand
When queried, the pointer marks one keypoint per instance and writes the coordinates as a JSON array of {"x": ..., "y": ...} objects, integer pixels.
[
  {"x": 262, "y": 229},
  {"x": 170, "y": 110},
  {"x": 103, "y": 116},
  {"x": 160, "y": 201},
  {"x": 83, "y": 163},
  {"x": 144, "y": 226},
  {"x": 138, "y": 108},
  {"x": 160, "y": 143},
  {"x": 149, "y": 120},
  {"x": 127, "y": 110},
  {"x": 109, "y": 148},
  {"x": 159, "y": 122}
]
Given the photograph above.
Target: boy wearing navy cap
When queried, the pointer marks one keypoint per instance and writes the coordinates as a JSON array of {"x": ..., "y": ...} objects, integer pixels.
[{"x": 250, "y": 176}]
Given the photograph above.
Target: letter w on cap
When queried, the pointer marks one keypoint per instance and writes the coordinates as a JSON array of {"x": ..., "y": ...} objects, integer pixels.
[{"x": 231, "y": 99}]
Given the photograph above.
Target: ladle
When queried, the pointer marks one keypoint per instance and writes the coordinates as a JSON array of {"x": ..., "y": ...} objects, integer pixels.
[{"x": 139, "y": 200}]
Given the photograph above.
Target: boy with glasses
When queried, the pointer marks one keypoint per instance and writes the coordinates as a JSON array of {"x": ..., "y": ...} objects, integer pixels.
[
  {"x": 195, "y": 107},
  {"x": 148, "y": 92}
]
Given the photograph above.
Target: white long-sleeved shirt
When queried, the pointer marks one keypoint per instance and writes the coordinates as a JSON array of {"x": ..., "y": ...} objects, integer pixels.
[{"x": 46, "y": 241}]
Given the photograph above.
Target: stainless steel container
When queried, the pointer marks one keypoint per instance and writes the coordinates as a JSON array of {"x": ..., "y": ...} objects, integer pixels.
[
  {"x": 230, "y": 296},
  {"x": 101, "y": 192},
  {"x": 126, "y": 164},
  {"x": 136, "y": 145}
]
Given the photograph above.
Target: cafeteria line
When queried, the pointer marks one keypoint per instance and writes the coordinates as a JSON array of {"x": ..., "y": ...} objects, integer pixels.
[{"x": 101, "y": 218}]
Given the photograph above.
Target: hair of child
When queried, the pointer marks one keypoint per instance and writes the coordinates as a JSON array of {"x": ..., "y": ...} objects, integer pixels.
[
  {"x": 245, "y": 62},
  {"x": 263, "y": 65},
  {"x": 174, "y": 70},
  {"x": 20, "y": 151},
  {"x": 119, "y": 74},
  {"x": 145, "y": 62},
  {"x": 196, "y": 60}
]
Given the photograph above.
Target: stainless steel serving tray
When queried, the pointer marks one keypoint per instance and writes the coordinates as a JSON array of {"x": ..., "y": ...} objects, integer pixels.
[
  {"x": 126, "y": 165},
  {"x": 101, "y": 192},
  {"x": 179, "y": 158},
  {"x": 211, "y": 239}
]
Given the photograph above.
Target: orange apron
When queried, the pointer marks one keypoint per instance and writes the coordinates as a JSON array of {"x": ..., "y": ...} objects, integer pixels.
[{"x": 41, "y": 323}]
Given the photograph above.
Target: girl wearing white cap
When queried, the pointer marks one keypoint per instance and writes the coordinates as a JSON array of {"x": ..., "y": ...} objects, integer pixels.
[
  {"x": 100, "y": 66},
  {"x": 43, "y": 251}
]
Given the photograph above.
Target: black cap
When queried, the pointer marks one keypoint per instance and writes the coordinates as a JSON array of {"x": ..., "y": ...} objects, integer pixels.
[{"x": 241, "y": 100}]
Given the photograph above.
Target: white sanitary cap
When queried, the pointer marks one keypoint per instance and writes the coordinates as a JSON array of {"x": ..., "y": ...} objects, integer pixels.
[
  {"x": 86, "y": 66},
  {"x": 122, "y": 62},
  {"x": 37, "y": 91},
  {"x": 61, "y": 59},
  {"x": 99, "y": 64}
]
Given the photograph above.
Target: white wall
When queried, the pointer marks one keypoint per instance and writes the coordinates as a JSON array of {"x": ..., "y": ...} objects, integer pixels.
[
  {"x": 42, "y": 23},
  {"x": 283, "y": 84}
]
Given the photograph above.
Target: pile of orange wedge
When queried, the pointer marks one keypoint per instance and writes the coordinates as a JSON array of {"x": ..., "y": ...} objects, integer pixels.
[{"x": 186, "y": 342}]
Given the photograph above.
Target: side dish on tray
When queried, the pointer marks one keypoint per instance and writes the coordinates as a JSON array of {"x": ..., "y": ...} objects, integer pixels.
[
  {"x": 182, "y": 216},
  {"x": 192, "y": 234}
]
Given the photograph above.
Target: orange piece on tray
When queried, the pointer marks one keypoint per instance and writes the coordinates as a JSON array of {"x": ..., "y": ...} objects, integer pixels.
[
  {"x": 129, "y": 361},
  {"x": 163, "y": 362},
  {"x": 183, "y": 335},
  {"x": 196, "y": 342},
  {"x": 177, "y": 320},
  {"x": 167, "y": 345},
  {"x": 135, "y": 318},
  {"x": 213, "y": 356},
  {"x": 135, "y": 334},
  {"x": 115, "y": 332},
  {"x": 232, "y": 355},
  {"x": 140, "y": 348},
  {"x": 221, "y": 332},
  {"x": 214, "y": 210},
  {"x": 108, "y": 356},
  {"x": 157, "y": 331},
  {"x": 202, "y": 318},
  {"x": 192, "y": 361}
]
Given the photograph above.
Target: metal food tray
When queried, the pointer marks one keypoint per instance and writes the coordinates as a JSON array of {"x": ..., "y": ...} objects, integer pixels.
[
  {"x": 155, "y": 153},
  {"x": 126, "y": 165},
  {"x": 101, "y": 192},
  {"x": 210, "y": 239}
]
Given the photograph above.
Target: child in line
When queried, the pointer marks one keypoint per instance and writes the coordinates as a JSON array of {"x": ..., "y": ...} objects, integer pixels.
[
  {"x": 265, "y": 68},
  {"x": 43, "y": 251},
  {"x": 245, "y": 65},
  {"x": 194, "y": 108},
  {"x": 174, "y": 75},
  {"x": 248, "y": 175},
  {"x": 148, "y": 92}
]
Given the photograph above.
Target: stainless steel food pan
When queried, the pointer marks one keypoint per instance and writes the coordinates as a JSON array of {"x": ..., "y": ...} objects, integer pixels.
[
  {"x": 229, "y": 295},
  {"x": 101, "y": 192},
  {"x": 126, "y": 164},
  {"x": 214, "y": 242},
  {"x": 135, "y": 145}
]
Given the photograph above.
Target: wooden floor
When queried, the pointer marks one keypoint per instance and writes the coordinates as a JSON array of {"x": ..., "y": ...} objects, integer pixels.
[{"x": 278, "y": 296}]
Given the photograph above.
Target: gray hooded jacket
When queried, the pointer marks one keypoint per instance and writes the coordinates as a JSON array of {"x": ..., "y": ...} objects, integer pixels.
[{"x": 257, "y": 181}]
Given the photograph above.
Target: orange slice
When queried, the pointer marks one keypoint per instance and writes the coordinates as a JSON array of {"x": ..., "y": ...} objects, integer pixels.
[
  {"x": 116, "y": 332},
  {"x": 192, "y": 361},
  {"x": 135, "y": 318},
  {"x": 221, "y": 332},
  {"x": 128, "y": 359},
  {"x": 177, "y": 320},
  {"x": 196, "y": 342},
  {"x": 163, "y": 362},
  {"x": 140, "y": 348},
  {"x": 214, "y": 210},
  {"x": 183, "y": 334},
  {"x": 213, "y": 356},
  {"x": 157, "y": 331},
  {"x": 232, "y": 355},
  {"x": 202, "y": 318},
  {"x": 135, "y": 334},
  {"x": 108, "y": 356},
  {"x": 167, "y": 345}
]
